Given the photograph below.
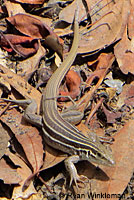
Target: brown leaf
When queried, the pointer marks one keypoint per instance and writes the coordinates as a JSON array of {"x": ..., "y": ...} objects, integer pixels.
[
  {"x": 130, "y": 21},
  {"x": 30, "y": 141},
  {"x": 52, "y": 157},
  {"x": 124, "y": 54},
  {"x": 33, "y": 147},
  {"x": 24, "y": 171},
  {"x": 25, "y": 46},
  {"x": 8, "y": 174},
  {"x": 108, "y": 28},
  {"x": 104, "y": 64},
  {"x": 5, "y": 86},
  {"x": 120, "y": 175},
  {"x": 29, "y": 66},
  {"x": 36, "y": 29},
  {"x": 4, "y": 138},
  {"x": 73, "y": 82},
  {"x": 95, "y": 124},
  {"x": 29, "y": 26},
  {"x": 86, "y": 131},
  {"x": 66, "y": 13},
  {"x": 28, "y": 137},
  {"x": 13, "y": 8},
  {"x": 17, "y": 82},
  {"x": 110, "y": 115},
  {"x": 127, "y": 95}
]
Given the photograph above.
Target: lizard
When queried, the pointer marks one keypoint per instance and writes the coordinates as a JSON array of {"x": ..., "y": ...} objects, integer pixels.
[{"x": 59, "y": 133}]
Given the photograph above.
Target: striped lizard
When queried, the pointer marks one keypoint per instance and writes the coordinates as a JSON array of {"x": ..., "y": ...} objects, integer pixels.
[{"x": 60, "y": 134}]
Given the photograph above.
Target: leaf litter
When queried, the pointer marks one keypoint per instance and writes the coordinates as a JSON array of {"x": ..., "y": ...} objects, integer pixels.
[{"x": 101, "y": 82}]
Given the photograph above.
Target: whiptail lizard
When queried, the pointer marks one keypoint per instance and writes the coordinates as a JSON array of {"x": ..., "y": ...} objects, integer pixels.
[{"x": 59, "y": 133}]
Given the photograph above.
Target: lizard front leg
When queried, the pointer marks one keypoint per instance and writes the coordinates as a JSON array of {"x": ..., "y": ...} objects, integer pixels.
[{"x": 70, "y": 167}]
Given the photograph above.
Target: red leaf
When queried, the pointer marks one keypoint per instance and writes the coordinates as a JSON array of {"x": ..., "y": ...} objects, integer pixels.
[
  {"x": 36, "y": 29},
  {"x": 26, "y": 46},
  {"x": 73, "y": 82}
]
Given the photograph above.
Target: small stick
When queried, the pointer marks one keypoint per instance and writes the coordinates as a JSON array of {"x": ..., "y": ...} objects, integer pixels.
[
  {"x": 48, "y": 188},
  {"x": 94, "y": 110},
  {"x": 5, "y": 109}
]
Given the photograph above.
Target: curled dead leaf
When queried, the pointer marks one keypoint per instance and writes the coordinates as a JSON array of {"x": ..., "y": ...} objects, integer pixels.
[
  {"x": 73, "y": 82},
  {"x": 22, "y": 45},
  {"x": 35, "y": 28}
]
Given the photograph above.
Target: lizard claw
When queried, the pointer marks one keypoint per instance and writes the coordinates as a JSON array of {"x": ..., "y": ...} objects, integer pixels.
[{"x": 79, "y": 179}]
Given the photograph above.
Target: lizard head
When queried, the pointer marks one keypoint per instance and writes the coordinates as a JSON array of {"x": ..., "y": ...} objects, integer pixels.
[{"x": 97, "y": 152}]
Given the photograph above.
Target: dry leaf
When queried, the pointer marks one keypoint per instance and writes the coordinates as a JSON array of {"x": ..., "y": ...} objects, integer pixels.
[
  {"x": 124, "y": 54},
  {"x": 24, "y": 46},
  {"x": 24, "y": 171},
  {"x": 28, "y": 137},
  {"x": 104, "y": 63},
  {"x": 4, "y": 85},
  {"x": 120, "y": 175},
  {"x": 13, "y": 8},
  {"x": 36, "y": 29},
  {"x": 52, "y": 157},
  {"x": 22, "y": 86},
  {"x": 72, "y": 89},
  {"x": 29, "y": 66},
  {"x": 66, "y": 13},
  {"x": 4, "y": 138},
  {"x": 110, "y": 115},
  {"x": 130, "y": 21},
  {"x": 127, "y": 96},
  {"x": 8, "y": 174},
  {"x": 107, "y": 29}
]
